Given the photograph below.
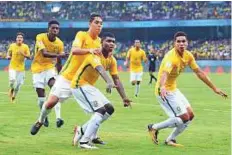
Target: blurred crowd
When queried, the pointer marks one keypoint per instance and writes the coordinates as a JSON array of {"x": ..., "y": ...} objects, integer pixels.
[
  {"x": 201, "y": 49},
  {"x": 114, "y": 11}
]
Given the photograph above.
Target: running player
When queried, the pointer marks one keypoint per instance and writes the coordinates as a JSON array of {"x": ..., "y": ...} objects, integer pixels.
[
  {"x": 17, "y": 52},
  {"x": 135, "y": 57}
]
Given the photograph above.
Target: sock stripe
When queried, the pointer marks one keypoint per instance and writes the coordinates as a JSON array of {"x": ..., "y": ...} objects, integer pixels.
[
  {"x": 86, "y": 99},
  {"x": 170, "y": 106}
]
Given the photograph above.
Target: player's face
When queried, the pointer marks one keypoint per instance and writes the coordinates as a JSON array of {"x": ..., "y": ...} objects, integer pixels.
[
  {"x": 137, "y": 44},
  {"x": 109, "y": 44},
  {"x": 181, "y": 43},
  {"x": 96, "y": 25},
  {"x": 19, "y": 39},
  {"x": 54, "y": 29}
]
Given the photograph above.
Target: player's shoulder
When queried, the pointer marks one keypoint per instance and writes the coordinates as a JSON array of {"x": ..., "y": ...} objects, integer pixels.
[
  {"x": 112, "y": 58},
  {"x": 170, "y": 54},
  {"x": 41, "y": 35},
  {"x": 131, "y": 48},
  {"x": 59, "y": 41},
  {"x": 12, "y": 45},
  {"x": 142, "y": 50},
  {"x": 25, "y": 45},
  {"x": 81, "y": 33},
  {"x": 188, "y": 53}
]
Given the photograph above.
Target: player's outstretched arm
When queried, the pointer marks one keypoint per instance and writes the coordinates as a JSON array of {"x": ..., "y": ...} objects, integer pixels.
[
  {"x": 106, "y": 78},
  {"x": 80, "y": 51},
  {"x": 201, "y": 75},
  {"x": 121, "y": 90}
]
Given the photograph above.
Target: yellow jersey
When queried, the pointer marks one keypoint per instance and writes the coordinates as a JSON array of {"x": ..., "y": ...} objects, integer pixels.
[
  {"x": 136, "y": 57},
  {"x": 174, "y": 64},
  {"x": 17, "y": 58},
  {"x": 86, "y": 74},
  {"x": 83, "y": 41},
  {"x": 41, "y": 63}
]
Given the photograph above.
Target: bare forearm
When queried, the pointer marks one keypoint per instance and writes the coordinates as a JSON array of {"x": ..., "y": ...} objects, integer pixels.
[
  {"x": 201, "y": 75},
  {"x": 49, "y": 55},
  {"x": 103, "y": 74},
  {"x": 59, "y": 65},
  {"x": 163, "y": 79},
  {"x": 119, "y": 88},
  {"x": 78, "y": 51}
]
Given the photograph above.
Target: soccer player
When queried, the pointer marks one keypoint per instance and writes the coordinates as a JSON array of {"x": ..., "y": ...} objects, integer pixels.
[
  {"x": 152, "y": 64},
  {"x": 48, "y": 49},
  {"x": 90, "y": 98},
  {"x": 170, "y": 98},
  {"x": 17, "y": 52},
  {"x": 85, "y": 43},
  {"x": 136, "y": 56}
]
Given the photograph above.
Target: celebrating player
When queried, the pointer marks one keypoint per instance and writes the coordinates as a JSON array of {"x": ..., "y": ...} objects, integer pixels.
[
  {"x": 170, "y": 98},
  {"x": 89, "y": 97},
  {"x": 48, "y": 49},
  {"x": 85, "y": 43}
]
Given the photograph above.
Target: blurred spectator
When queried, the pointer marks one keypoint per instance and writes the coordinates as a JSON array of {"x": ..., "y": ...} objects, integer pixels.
[
  {"x": 201, "y": 49},
  {"x": 114, "y": 11}
]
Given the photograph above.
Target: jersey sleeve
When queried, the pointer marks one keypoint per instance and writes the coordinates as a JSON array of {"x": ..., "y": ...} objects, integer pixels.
[
  {"x": 27, "y": 51},
  {"x": 79, "y": 40},
  {"x": 61, "y": 47},
  {"x": 93, "y": 60},
  {"x": 128, "y": 54},
  {"x": 114, "y": 67},
  {"x": 168, "y": 64},
  {"x": 192, "y": 62},
  {"x": 144, "y": 56},
  {"x": 39, "y": 43},
  {"x": 9, "y": 51}
]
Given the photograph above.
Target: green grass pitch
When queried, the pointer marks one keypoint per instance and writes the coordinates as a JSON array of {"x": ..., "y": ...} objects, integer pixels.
[{"x": 126, "y": 132}]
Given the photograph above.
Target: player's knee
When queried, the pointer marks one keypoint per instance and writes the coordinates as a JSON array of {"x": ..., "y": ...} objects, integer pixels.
[
  {"x": 40, "y": 92},
  {"x": 133, "y": 83},
  {"x": 109, "y": 108},
  {"x": 12, "y": 81},
  {"x": 101, "y": 110},
  {"x": 185, "y": 117},
  {"x": 51, "y": 82},
  {"x": 51, "y": 102},
  {"x": 191, "y": 116}
]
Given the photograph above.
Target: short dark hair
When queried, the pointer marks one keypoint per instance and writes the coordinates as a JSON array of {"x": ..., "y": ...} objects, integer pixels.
[
  {"x": 107, "y": 34},
  {"x": 53, "y": 21},
  {"x": 180, "y": 33},
  {"x": 93, "y": 15},
  {"x": 19, "y": 33}
]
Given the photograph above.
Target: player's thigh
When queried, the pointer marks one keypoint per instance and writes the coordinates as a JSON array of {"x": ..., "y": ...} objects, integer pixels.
[
  {"x": 139, "y": 76},
  {"x": 183, "y": 99},
  {"x": 89, "y": 98},
  {"x": 49, "y": 74},
  {"x": 132, "y": 76},
  {"x": 39, "y": 80},
  {"x": 20, "y": 77},
  {"x": 172, "y": 105},
  {"x": 61, "y": 89},
  {"x": 12, "y": 75}
]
